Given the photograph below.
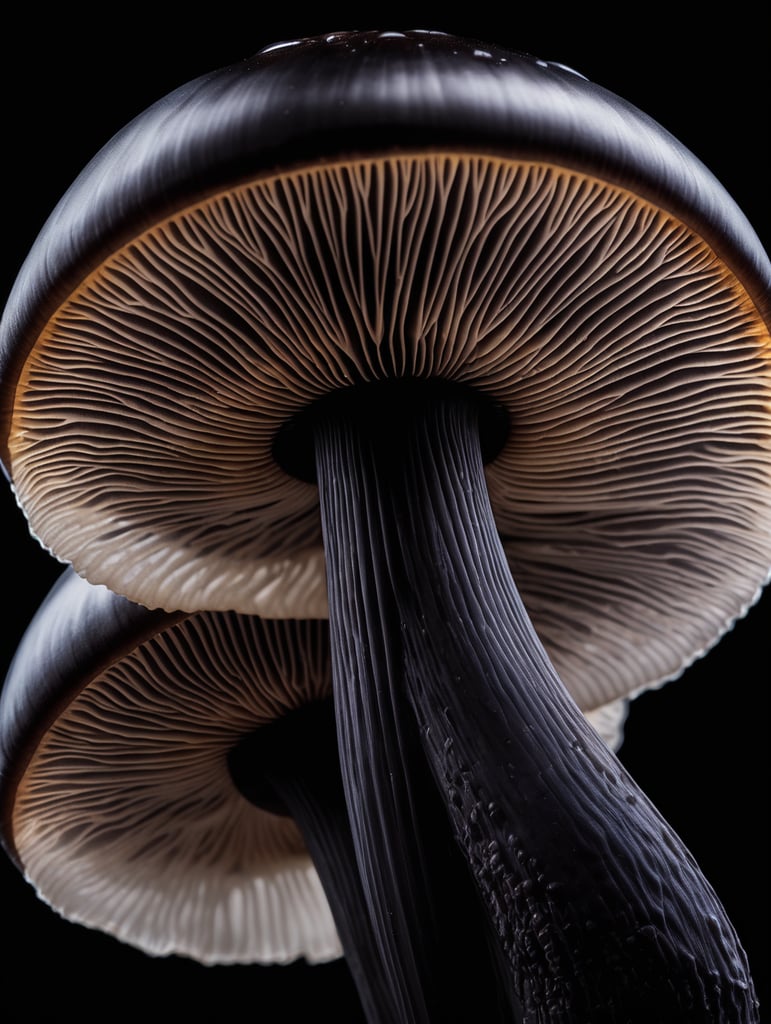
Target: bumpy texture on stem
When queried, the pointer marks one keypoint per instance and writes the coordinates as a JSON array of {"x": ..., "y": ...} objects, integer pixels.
[{"x": 599, "y": 909}]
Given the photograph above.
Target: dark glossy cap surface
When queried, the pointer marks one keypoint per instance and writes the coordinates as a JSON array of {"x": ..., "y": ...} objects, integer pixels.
[{"x": 349, "y": 94}]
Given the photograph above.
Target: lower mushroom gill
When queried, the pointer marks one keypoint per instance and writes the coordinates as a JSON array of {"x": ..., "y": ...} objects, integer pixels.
[{"x": 600, "y": 912}]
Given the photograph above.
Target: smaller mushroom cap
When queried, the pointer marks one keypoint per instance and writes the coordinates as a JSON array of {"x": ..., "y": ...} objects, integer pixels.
[{"x": 117, "y": 802}]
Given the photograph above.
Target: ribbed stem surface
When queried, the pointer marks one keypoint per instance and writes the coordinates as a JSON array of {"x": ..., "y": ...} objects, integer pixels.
[{"x": 435, "y": 941}]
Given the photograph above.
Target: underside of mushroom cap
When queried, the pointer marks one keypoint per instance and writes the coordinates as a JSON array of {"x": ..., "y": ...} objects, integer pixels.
[
  {"x": 117, "y": 800},
  {"x": 503, "y": 224},
  {"x": 632, "y": 493}
]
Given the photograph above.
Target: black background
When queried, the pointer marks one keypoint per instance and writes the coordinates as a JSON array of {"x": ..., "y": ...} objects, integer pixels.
[{"x": 698, "y": 746}]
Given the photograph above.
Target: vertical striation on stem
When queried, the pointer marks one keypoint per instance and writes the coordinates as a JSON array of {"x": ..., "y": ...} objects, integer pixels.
[{"x": 436, "y": 943}]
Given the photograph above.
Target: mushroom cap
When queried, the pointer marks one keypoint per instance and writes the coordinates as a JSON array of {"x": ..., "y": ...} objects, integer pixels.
[
  {"x": 115, "y": 796},
  {"x": 364, "y": 206}
]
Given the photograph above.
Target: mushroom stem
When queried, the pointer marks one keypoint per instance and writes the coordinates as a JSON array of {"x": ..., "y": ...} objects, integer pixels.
[
  {"x": 292, "y": 767},
  {"x": 435, "y": 940},
  {"x": 599, "y": 910}
]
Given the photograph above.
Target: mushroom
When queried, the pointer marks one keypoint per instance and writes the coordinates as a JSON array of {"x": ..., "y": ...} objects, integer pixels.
[{"x": 441, "y": 317}]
